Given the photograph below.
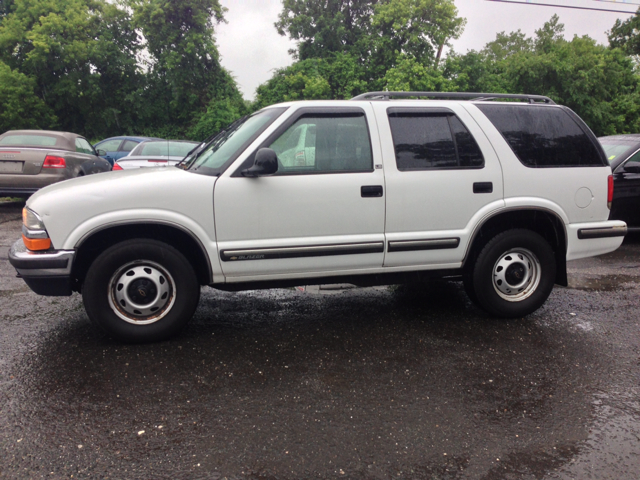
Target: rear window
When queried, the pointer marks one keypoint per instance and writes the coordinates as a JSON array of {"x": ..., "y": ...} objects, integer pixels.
[
  {"x": 616, "y": 147},
  {"x": 26, "y": 139},
  {"x": 543, "y": 136},
  {"x": 432, "y": 139}
]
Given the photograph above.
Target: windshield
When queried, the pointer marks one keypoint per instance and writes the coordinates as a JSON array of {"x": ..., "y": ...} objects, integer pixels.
[
  {"x": 173, "y": 149},
  {"x": 615, "y": 148},
  {"x": 228, "y": 145}
]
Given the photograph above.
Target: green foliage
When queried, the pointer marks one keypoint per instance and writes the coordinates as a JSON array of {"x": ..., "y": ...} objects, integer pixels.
[
  {"x": 325, "y": 27},
  {"x": 411, "y": 75},
  {"x": 337, "y": 77},
  {"x": 184, "y": 60},
  {"x": 626, "y": 35},
  {"x": 80, "y": 54},
  {"x": 19, "y": 105},
  {"x": 598, "y": 83}
]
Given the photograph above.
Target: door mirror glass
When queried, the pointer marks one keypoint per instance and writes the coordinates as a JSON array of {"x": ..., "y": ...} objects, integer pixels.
[
  {"x": 266, "y": 163},
  {"x": 101, "y": 153}
]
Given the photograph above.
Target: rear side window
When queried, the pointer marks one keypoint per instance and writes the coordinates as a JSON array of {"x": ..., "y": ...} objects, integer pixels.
[
  {"x": 128, "y": 145},
  {"x": 432, "y": 139},
  {"x": 83, "y": 146},
  {"x": 543, "y": 136}
]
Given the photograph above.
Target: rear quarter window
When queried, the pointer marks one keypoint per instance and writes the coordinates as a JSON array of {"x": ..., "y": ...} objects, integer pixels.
[{"x": 545, "y": 136}]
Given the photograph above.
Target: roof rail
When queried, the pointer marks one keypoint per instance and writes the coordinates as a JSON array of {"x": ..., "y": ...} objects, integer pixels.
[{"x": 454, "y": 96}]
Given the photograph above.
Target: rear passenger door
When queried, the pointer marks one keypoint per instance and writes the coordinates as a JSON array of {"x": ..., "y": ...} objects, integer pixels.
[
  {"x": 442, "y": 177},
  {"x": 321, "y": 214}
]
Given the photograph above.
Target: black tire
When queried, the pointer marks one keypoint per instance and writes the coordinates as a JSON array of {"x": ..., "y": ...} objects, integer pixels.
[
  {"x": 513, "y": 274},
  {"x": 141, "y": 291}
]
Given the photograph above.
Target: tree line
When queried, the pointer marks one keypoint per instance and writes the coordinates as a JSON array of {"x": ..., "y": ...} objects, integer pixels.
[{"x": 152, "y": 67}]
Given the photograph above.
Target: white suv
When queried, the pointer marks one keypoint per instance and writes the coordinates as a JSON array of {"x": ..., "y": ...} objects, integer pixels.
[{"x": 369, "y": 191}]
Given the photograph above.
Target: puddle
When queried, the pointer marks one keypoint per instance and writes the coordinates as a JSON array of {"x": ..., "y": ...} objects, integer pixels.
[{"x": 605, "y": 283}]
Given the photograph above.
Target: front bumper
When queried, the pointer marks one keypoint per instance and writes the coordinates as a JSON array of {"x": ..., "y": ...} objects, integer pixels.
[{"x": 46, "y": 273}]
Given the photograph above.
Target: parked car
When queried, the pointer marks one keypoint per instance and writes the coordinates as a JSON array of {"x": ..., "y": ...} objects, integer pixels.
[
  {"x": 156, "y": 153},
  {"x": 118, "y": 147},
  {"x": 32, "y": 159},
  {"x": 498, "y": 194},
  {"x": 623, "y": 152}
]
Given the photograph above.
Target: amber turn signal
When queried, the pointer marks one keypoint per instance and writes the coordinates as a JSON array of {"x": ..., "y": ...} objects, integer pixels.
[{"x": 37, "y": 243}]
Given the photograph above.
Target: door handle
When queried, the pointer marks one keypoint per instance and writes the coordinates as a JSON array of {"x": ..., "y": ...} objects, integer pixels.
[
  {"x": 483, "y": 187},
  {"x": 371, "y": 191}
]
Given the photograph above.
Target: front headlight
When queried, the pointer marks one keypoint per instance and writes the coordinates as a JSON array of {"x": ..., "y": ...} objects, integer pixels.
[
  {"x": 31, "y": 220},
  {"x": 34, "y": 234}
]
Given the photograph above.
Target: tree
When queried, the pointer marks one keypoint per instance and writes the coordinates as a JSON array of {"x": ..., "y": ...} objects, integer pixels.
[
  {"x": 20, "y": 106},
  {"x": 325, "y": 27},
  {"x": 626, "y": 35},
  {"x": 81, "y": 56}
]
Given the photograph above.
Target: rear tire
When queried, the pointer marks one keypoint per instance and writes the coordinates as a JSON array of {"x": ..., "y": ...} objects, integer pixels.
[
  {"x": 141, "y": 291},
  {"x": 514, "y": 274}
]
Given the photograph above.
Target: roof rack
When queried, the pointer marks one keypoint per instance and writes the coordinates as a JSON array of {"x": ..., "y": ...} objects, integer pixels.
[{"x": 454, "y": 96}]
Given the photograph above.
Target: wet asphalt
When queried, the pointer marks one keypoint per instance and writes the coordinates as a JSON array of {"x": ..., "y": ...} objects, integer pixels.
[{"x": 380, "y": 383}]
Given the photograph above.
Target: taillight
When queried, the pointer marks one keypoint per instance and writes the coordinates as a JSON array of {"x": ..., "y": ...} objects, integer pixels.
[
  {"x": 117, "y": 167},
  {"x": 609, "y": 191},
  {"x": 51, "y": 161}
]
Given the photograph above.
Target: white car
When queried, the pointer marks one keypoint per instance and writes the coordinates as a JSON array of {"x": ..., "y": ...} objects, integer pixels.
[
  {"x": 497, "y": 194},
  {"x": 156, "y": 153}
]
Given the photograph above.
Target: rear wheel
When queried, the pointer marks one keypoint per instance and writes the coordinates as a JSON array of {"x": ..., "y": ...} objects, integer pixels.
[
  {"x": 514, "y": 274},
  {"x": 141, "y": 291}
]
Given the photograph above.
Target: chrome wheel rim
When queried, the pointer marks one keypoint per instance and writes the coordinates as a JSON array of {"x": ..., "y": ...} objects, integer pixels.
[
  {"x": 516, "y": 274},
  {"x": 141, "y": 292}
]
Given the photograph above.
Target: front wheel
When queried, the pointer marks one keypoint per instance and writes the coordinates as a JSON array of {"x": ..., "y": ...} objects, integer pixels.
[
  {"x": 513, "y": 274},
  {"x": 141, "y": 291}
]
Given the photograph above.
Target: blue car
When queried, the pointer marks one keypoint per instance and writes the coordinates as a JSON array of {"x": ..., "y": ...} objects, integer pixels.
[{"x": 117, "y": 147}]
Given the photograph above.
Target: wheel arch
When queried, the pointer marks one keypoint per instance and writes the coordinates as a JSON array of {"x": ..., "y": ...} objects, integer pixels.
[
  {"x": 96, "y": 241},
  {"x": 542, "y": 221}
]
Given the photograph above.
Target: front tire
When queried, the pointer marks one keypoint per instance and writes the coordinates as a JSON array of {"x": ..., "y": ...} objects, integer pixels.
[
  {"x": 513, "y": 274},
  {"x": 141, "y": 291}
]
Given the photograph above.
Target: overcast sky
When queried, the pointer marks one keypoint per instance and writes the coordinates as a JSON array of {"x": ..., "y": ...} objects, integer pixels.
[{"x": 251, "y": 48}]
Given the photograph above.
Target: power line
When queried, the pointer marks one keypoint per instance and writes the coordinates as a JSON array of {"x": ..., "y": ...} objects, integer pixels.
[{"x": 565, "y": 6}]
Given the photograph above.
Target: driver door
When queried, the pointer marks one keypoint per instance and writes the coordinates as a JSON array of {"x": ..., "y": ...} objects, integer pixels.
[{"x": 322, "y": 213}]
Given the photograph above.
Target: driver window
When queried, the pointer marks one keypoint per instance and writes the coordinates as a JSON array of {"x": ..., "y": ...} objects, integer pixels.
[{"x": 324, "y": 144}]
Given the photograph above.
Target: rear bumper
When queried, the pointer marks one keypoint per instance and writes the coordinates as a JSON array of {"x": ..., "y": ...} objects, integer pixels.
[
  {"x": 596, "y": 238},
  {"x": 46, "y": 273},
  {"x": 20, "y": 185}
]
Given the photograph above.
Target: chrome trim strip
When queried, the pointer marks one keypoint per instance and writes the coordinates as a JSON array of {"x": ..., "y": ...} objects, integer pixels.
[
  {"x": 306, "y": 251},
  {"x": 606, "y": 232},
  {"x": 433, "y": 244}
]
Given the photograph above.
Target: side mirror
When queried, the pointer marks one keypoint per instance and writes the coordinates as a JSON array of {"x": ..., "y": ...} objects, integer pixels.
[
  {"x": 101, "y": 153},
  {"x": 632, "y": 167},
  {"x": 265, "y": 163}
]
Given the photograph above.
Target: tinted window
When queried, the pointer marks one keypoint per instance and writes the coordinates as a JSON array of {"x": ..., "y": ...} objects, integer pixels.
[
  {"x": 325, "y": 144},
  {"x": 35, "y": 140},
  {"x": 543, "y": 136},
  {"x": 426, "y": 139}
]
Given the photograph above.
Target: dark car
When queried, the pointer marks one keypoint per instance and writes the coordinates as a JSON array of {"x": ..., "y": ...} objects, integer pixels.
[
  {"x": 117, "y": 147},
  {"x": 623, "y": 153},
  {"x": 32, "y": 159}
]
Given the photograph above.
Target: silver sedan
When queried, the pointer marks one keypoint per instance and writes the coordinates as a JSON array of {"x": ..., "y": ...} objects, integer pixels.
[{"x": 156, "y": 153}]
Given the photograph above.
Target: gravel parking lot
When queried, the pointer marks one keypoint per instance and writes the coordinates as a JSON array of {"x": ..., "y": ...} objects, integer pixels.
[{"x": 400, "y": 382}]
